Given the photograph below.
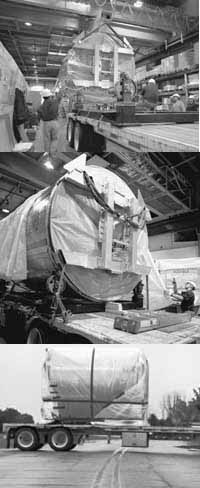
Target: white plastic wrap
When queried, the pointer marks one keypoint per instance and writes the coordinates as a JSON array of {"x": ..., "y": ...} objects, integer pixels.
[
  {"x": 13, "y": 262},
  {"x": 102, "y": 383},
  {"x": 67, "y": 218}
]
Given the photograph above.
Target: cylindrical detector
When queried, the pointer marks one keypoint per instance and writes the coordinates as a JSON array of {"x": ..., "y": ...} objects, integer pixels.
[
  {"x": 97, "y": 383},
  {"x": 66, "y": 218}
]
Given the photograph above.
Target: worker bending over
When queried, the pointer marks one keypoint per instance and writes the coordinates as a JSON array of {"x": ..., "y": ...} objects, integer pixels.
[
  {"x": 48, "y": 113},
  {"x": 177, "y": 103},
  {"x": 186, "y": 297}
]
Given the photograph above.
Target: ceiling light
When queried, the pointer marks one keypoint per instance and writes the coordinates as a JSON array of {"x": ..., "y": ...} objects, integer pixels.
[
  {"x": 28, "y": 24},
  {"x": 34, "y": 59},
  {"x": 48, "y": 164},
  {"x": 54, "y": 64},
  {"x": 138, "y": 4},
  {"x": 57, "y": 53},
  {"x": 5, "y": 210}
]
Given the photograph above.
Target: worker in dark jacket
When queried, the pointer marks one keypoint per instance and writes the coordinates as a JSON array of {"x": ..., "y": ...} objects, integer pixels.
[
  {"x": 186, "y": 297},
  {"x": 20, "y": 116},
  {"x": 48, "y": 113},
  {"x": 150, "y": 94}
]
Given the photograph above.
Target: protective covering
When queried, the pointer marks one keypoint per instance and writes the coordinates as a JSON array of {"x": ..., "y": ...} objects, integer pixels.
[
  {"x": 13, "y": 263},
  {"x": 69, "y": 218},
  {"x": 105, "y": 382}
]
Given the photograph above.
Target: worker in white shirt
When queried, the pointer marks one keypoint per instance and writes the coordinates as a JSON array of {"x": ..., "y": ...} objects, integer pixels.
[{"x": 177, "y": 103}]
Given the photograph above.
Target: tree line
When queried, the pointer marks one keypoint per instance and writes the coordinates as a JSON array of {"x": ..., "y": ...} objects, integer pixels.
[
  {"x": 11, "y": 415},
  {"x": 176, "y": 411}
]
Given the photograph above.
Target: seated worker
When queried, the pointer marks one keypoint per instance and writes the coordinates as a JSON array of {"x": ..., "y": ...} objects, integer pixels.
[
  {"x": 177, "y": 103},
  {"x": 186, "y": 297},
  {"x": 48, "y": 112},
  {"x": 150, "y": 94}
]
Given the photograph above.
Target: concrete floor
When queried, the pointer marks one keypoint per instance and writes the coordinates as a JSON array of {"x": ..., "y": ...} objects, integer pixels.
[{"x": 99, "y": 465}]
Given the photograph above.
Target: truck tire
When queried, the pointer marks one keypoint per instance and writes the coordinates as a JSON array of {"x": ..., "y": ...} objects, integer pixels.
[
  {"x": 80, "y": 137},
  {"x": 36, "y": 335},
  {"x": 70, "y": 132},
  {"x": 26, "y": 439},
  {"x": 60, "y": 439}
]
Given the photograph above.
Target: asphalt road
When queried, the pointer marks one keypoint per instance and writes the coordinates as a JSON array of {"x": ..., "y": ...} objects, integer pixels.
[{"x": 99, "y": 465}]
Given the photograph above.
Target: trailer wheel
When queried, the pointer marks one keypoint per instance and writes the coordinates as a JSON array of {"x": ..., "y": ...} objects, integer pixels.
[
  {"x": 80, "y": 137},
  {"x": 26, "y": 439},
  {"x": 60, "y": 439},
  {"x": 36, "y": 335},
  {"x": 70, "y": 132}
]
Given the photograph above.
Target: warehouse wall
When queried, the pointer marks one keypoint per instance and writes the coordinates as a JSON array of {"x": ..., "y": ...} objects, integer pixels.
[
  {"x": 164, "y": 247},
  {"x": 191, "y": 8}
]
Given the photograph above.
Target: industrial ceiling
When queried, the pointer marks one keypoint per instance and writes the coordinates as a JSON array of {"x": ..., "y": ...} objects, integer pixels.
[
  {"x": 169, "y": 182},
  {"x": 39, "y": 33}
]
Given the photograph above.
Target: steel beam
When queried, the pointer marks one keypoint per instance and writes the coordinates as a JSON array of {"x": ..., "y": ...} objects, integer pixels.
[
  {"x": 139, "y": 33},
  {"x": 175, "y": 223},
  {"x": 39, "y": 15},
  {"x": 175, "y": 47}
]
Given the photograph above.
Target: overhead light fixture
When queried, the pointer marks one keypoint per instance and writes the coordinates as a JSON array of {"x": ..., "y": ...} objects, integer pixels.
[
  {"x": 53, "y": 53},
  {"x": 5, "y": 210},
  {"x": 28, "y": 24},
  {"x": 138, "y": 4},
  {"x": 54, "y": 64},
  {"x": 34, "y": 59}
]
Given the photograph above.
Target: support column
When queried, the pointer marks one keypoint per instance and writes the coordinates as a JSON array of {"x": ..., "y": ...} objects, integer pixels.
[
  {"x": 96, "y": 64},
  {"x": 116, "y": 65}
]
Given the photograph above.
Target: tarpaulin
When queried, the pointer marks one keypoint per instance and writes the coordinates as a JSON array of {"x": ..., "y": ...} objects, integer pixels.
[
  {"x": 97, "y": 383},
  {"x": 67, "y": 217},
  {"x": 13, "y": 262}
]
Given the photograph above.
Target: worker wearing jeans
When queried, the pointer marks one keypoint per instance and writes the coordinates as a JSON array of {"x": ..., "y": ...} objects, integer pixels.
[{"x": 48, "y": 113}]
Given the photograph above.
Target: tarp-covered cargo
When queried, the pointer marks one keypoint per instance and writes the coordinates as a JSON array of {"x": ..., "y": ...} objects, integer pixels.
[
  {"x": 97, "y": 223},
  {"x": 98, "y": 383}
]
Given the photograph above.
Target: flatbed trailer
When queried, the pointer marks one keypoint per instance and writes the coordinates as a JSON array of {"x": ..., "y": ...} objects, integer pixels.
[
  {"x": 98, "y": 328},
  {"x": 24, "y": 319},
  {"x": 136, "y": 137},
  {"x": 66, "y": 436}
]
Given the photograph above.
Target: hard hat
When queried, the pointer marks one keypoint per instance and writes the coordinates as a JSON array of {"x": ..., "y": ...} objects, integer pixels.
[
  {"x": 46, "y": 93},
  {"x": 191, "y": 283},
  {"x": 176, "y": 95},
  {"x": 152, "y": 80}
]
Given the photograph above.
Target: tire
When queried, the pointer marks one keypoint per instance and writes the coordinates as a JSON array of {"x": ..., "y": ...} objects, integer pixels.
[
  {"x": 36, "y": 335},
  {"x": 26, "y": 439},
  {"x": 70, "y": 132},
  {"x": 80, "y": 137},
  {"x": 60, "y": 439}
]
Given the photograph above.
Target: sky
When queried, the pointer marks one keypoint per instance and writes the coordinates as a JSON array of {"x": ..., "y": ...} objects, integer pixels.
[{"x": 173, "y": 368}]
